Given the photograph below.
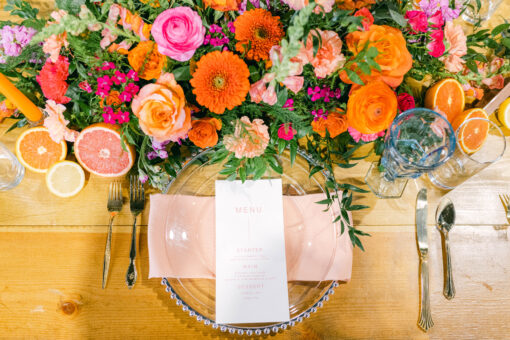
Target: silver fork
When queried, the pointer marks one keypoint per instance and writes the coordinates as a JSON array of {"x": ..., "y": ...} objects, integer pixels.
[
  {"x": 114, "y": 206},
  {"x": 137, "y": 202},
  {"x": 505, "y": 199}
]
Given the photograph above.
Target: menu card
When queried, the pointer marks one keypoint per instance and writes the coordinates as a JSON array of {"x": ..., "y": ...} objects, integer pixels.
[{"x": 251, "y": 274}]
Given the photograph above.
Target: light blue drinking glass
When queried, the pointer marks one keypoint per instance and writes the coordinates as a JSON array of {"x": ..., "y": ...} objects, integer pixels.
[
  {"x": 418, "y": 141},
  {"x": 11, "y": 170}
]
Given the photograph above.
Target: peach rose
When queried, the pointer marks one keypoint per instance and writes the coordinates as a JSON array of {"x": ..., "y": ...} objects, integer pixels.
[
  {"x": 53, "y": 44},
  {"x": 250, "y": 139},
  {"x": 335, "y": 123},
  {"x": 162, "y": 111},
  {"x": 372, "y": 107},
  {"x": 329, "y": 57},
  {"x": 456, "y": 38},
  {"x": 203, "y": 132},
  {"x": 393, "y": 58},
  {"x": 146, "y": 55}
]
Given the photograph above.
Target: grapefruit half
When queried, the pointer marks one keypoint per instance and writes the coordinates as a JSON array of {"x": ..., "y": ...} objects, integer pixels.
[{"x": 99, "y": 150}]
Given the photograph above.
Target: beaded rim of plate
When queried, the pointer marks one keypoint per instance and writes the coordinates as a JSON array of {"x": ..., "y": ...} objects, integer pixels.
[{"x": 252, "y": 330}]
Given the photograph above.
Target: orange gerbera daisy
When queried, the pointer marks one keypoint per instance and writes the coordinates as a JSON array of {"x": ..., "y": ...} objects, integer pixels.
[
  {"x": 221, "y": 81},
  {"x": 257, "y": 30}
]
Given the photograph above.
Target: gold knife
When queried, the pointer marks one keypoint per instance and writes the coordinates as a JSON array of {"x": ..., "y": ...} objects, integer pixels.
[{"x": 425, "y": 319}]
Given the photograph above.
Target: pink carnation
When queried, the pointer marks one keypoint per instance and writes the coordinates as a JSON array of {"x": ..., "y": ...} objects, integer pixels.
[
  {"x": 329, "y": 58},
  {"x": 57, "y": 124},
  {"x": 250, "y": 139},
  {"x": 456, "y": 39},
  {"x": 178, "y": 32},
  {"x": 357, "y": 136}
]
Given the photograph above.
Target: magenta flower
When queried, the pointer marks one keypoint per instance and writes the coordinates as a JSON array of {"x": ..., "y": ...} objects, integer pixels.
[
  {"x": 417, "y": 20},
  {"x": 133, "y": 75},
  {"x": 436, "y": 20},
  {"x": 436, "y": 46},
  {"x": 125, "y": 96},
  {"x": 286, "y": 132},
  {"x": 85, "y": 86},
  {"x": 289, "y": 104},
  {"x": 119, "y": 78}
]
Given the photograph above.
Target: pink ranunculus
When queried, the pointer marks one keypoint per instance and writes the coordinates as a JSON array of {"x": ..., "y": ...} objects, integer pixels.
[
  {"x": 286, "y": 131},
  {"x": 250, "y": 139},
  {"x": 324, "y": 5},
  {"x": 496, "y": 82},
  {"x": 178, "y": 32},
  {"x": 496, "y": 64},
  {"x": 436, "y": 46},
  {"x": 456, "y": 40},
  {"x": 417, "y": 20},
  {"x": 329, "y": 57},
  {"x": 436, "y": 20},
  {"x": 368, "y": 18},
  {"x": 405, "y": 102},
  {"x": 57, "y": 124}
]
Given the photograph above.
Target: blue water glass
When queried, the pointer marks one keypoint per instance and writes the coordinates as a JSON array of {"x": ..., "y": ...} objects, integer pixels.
[{"x": 418, "y": 141}]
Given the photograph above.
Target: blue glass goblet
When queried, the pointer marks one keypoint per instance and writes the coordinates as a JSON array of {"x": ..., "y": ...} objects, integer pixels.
[{"x": 418, "y": 141}]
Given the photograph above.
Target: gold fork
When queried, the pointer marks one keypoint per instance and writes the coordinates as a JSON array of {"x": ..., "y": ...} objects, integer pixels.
[
  {"x": 114, "y": 206},
  {"x": 505, "y": 199}
]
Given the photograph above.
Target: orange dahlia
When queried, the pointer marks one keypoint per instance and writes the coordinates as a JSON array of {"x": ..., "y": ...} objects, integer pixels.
[
  {"x": 220, "y": 81},
  {"x": 257, "y": 30}
]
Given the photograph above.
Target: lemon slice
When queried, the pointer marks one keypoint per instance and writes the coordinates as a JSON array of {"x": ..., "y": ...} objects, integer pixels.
[
  {"x": 65, "y": 178},
  {"x": 504, "y": 113}
]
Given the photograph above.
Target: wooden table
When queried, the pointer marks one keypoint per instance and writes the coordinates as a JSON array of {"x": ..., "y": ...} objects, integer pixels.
[{"x": 51, "y": 254}]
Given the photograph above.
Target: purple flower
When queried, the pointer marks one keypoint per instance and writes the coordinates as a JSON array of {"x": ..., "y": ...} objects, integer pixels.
[
  {"x": 14, "y": 39},
  {"x": 143, "y": 177},
  {"x": 159, "y": 145}
]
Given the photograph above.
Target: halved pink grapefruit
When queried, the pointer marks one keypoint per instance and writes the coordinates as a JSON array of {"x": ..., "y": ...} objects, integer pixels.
[{"x": 98, "y": 149}]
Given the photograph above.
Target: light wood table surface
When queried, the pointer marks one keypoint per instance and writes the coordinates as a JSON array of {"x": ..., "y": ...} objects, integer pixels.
[{"x": 51, "y": 255}]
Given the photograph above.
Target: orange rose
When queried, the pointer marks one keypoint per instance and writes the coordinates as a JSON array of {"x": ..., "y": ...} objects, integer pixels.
[
  {"x": 162, "y": 111},
  {"x": 372, "y": 107},
  {"x": 203, "y": 132},
  {"x": 146, "y": 60},
  {"x": 112, "y": 99},
  {"x": 223, "y": 5},
  {"x": 335, "y": 123},
  {"x": 354, "y": 4},
  {"x": 393, "y": 58}
]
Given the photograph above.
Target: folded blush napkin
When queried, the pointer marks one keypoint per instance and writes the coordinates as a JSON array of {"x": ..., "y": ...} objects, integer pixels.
[{"x": 181, "y": 239}]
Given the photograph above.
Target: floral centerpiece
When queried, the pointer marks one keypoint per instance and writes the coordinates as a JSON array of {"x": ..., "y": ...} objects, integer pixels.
[{"x": 247, "y": 78}]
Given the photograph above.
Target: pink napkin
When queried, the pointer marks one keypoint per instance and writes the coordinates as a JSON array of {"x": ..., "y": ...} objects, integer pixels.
[{"x": 181, "y": 239}]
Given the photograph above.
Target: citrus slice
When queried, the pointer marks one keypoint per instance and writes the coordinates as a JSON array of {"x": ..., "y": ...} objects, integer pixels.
[
  {"x": 65, "y": 178},
  {"x": 472, "y": 134},
  {"x": 468, "y": 114},
  {"x": 37, "y": 151},
  {"x": 446, "y": 96},
  {"x": 504, "y": 113},
  {"x": 99, "y": 150}
]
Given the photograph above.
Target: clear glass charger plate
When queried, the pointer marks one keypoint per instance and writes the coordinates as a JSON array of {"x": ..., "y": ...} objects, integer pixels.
[{"x": 197, "y": 295}]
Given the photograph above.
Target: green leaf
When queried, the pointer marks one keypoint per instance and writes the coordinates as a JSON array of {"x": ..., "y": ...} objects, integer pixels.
[
  {"x": 317, "y": 42},
  {"x": 357, "y": 207},
  {"x": 293, "y": 152},
  {"x": 506, "y": 42},
  {"x": 217, "y": 16},
  {"x": 352, "y": 188},
  {"x": 315, "y": 169},
  {"x": 276, "y": 167},
  {"x": 472, "y": 66},
  {"x": 169, "y": 170},
  {"x": 346, "y": 165},
  {"x": 242, "y": 174},
  {"x": 353, "y": 76},
  {"x": 372, "y": 52},
  {"x": 500, "y": 28},
  {"x": 260, "y": 171},
  {"x": 282, "y": 96},
  {"x": 365, "y": 68},
  {"x": 399, "y": 18},
  {"x": 219, "y": 156},
  {"x": 182, "y": 73},
  {"x": 72, "y": 6},
  {"x": 282, "y": 143},
  {"x": 324, "y": 201}
]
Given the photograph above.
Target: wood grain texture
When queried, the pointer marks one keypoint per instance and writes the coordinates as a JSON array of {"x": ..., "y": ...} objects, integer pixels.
[{"x": 51, "y": 253}]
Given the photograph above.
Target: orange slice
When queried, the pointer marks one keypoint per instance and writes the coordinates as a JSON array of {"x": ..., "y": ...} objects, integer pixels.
[
  {"x": 473, "y": 134},
  {"x": 446, "y": 96},
  {"x": 65, "y": 178},
  {"x": 98, "y": 149},
  {"x": 37, "y": 151}
]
